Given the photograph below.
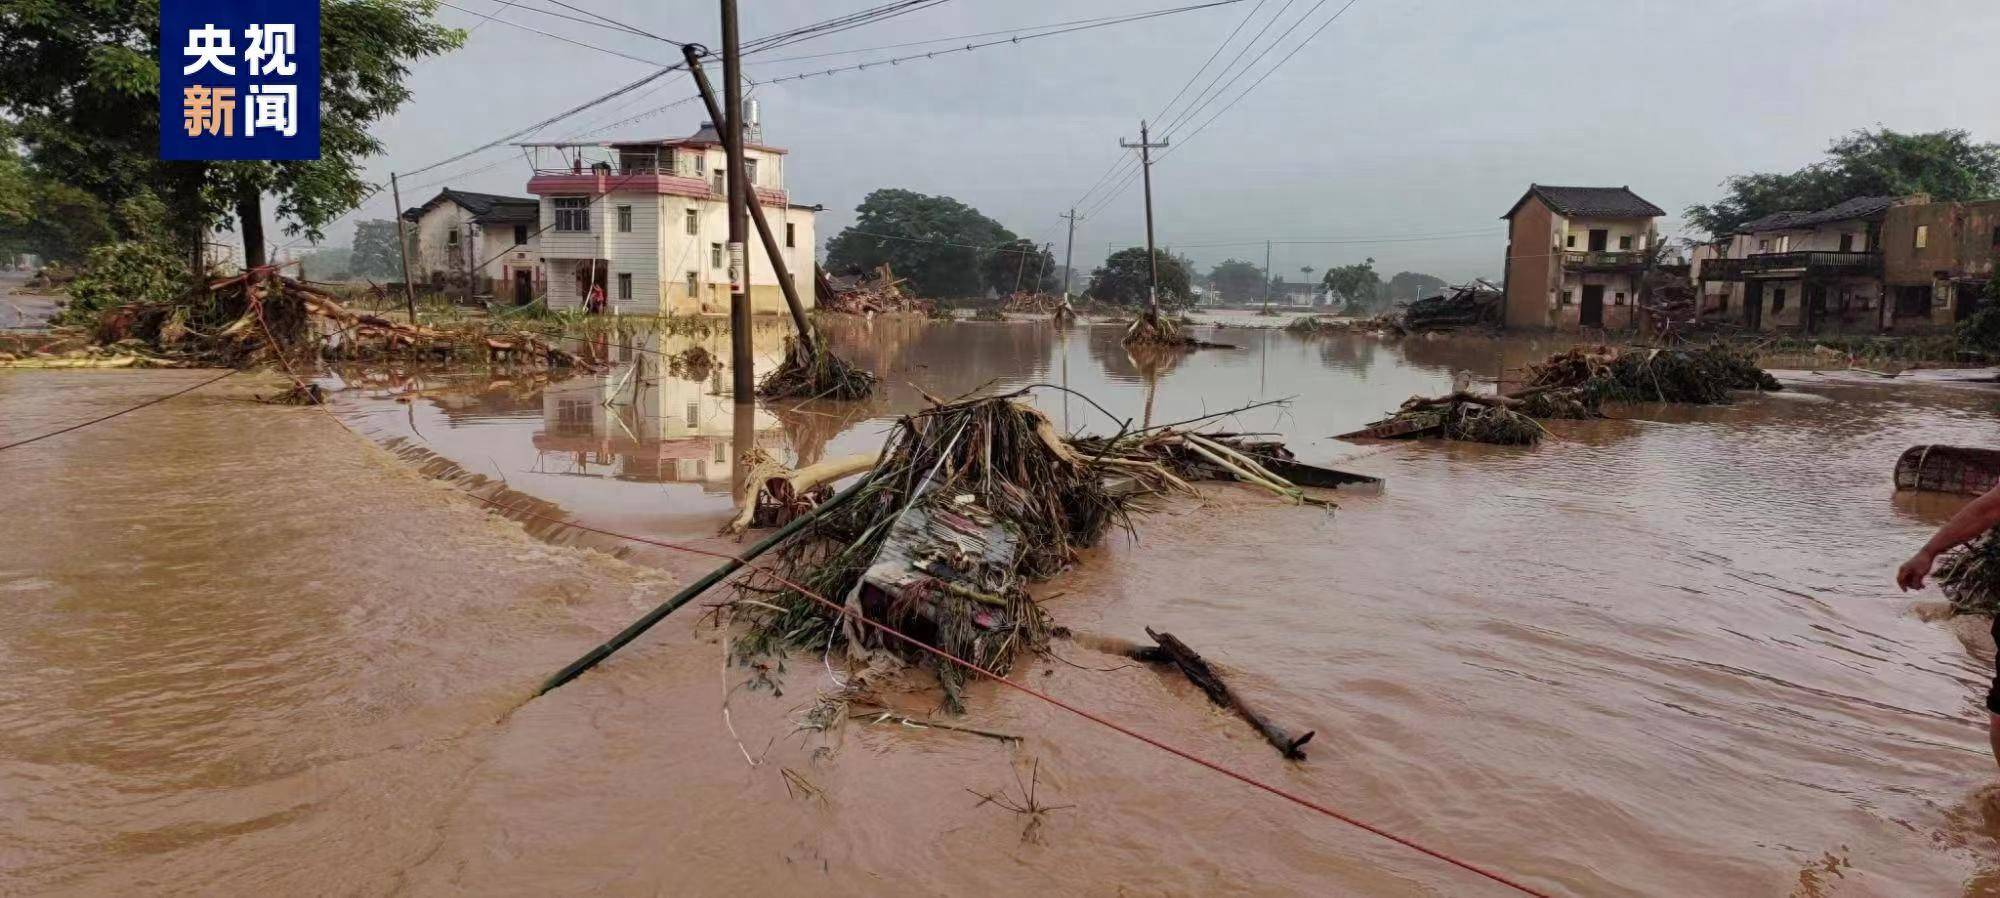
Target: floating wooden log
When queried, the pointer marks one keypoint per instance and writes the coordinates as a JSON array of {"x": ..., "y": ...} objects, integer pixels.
[{"x": 1171, "y": 650}]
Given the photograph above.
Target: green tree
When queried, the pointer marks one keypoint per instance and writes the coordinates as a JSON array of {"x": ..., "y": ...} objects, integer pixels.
[
  {"x": 1948, "y": 165},
  {"x": 1123, "y": 278},
  {"x": 42, "y": 215},
  {"x": 1408, "y": 285},
  {"x": 934, "y": 241},
  {"x": 82, "y": 85},
  {"x": 1019, "y": 262},
  {"x": 1357, "y": 286},
  {"x": 375, "y": 254},
  {"x": 1237, "y": 280}
]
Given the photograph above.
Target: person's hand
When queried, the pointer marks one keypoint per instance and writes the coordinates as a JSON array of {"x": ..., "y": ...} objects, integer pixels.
[{"x": 1911, "y": 575}]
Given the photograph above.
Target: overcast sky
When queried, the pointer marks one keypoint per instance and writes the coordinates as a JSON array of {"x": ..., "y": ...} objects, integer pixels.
[{"x": 1402, "y": 119}]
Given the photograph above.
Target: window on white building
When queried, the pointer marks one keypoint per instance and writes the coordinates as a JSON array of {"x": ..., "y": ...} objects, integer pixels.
[
  {"x": 624, "y": 219},
  {"x": 1570, "y": 241},
  {"x": 625, "y": 286},
  {"x": 694, "y": 282},
  {"x": 693, "y": 221},
  {"x": 451, "y": 237},
  {"x": 520, "y": 234},
  {"x": 572, "y": 213},
  {"x": 1625, "y": 241},
  {"x": 1566, "y": 295},
  {"x": 715, "y": 255},
  {"x": 700, "y": 162},
  {"x": 719, "y": 187},
  {"x": 750, "y": 171},
  {"x": 791, "y": 234},
  {"x": 1618, "y": 299}
]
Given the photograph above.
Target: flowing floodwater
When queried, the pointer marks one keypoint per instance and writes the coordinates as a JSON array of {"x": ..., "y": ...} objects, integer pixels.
[{"x": 242, "y": 650}]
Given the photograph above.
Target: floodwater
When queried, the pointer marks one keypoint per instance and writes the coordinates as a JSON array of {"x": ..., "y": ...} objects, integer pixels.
[{"x": 242, "y": 650}]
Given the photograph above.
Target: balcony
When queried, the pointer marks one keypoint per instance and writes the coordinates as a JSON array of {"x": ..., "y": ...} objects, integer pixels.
[
  {"x": 1799, "y": 264},
  {"x": 1604, "y": 260}
]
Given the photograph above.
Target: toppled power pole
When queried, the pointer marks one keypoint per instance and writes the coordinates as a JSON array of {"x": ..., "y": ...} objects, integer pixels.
[
  {"x": 1145, "y": 146},
  {"x": 742, "y": 365}
]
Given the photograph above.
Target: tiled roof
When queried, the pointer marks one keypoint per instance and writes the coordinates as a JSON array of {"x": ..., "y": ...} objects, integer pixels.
[
  {"x": 486, "y": 208},
  {"x": 1861, "y": 207},
  {"x": 1610, "y": 202}
]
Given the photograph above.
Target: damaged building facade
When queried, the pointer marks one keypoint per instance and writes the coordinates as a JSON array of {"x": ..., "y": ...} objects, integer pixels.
[
  {"x": 459, "y": 230},
  {"x": 648, "y": 222},
  {"x": 1880, "y": 264},
  {"x": 1577, "y": 257}
]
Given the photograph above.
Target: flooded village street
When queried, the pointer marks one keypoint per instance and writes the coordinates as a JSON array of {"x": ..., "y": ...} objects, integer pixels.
[{"x": 1659, "y": 654}]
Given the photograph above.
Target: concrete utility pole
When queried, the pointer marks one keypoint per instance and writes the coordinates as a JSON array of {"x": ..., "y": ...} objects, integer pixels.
[
  {"x": 1145, "y": 147},
  {"x": 1267, "y": 273},
  {"x": 403, "y": 244},
  {"x": 744, "y": 370},
  {"x": 1069, "y": 253}
]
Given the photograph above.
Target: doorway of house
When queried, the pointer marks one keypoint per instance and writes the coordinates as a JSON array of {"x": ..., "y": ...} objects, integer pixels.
[
  {"x": 1592, "y": 312},
  {"x": 1753, "y": 305},
  {"x": 524, "y": 287}
]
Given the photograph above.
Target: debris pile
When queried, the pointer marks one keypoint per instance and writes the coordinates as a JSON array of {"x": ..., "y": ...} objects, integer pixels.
[
  {"x": 1477, "y": 304},
  {"x": 809, "y": 371},
  {"x": 989, "y": 313},
  {"x": 1459, "y": 416},
  {"x": 259, "y": 316},
  {"x": 1697, "y": 376},
  {"x": 1313, "y": 326},
  {"x": 1970, "y": 576},
  {"x": 1164, "y": 333},
  {"x": 1035, "y": 304},
  {"x": 880, "y": 291},
  {"x": 970, "y": 501}
]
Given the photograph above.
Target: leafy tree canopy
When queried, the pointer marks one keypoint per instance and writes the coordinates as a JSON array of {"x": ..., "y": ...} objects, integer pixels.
[
  {"x": 1021, "y": 263},
  {"x": 1237, "y": 280},
  {"x": 375, "y": 254},
  {"x": 1123, "y": 279},
  {"x": 82, "y": 84},
  {"x": 935, "y": 241},
  {"x": 1948, "y": 165},
  {"x": 1358, "y": 286}
]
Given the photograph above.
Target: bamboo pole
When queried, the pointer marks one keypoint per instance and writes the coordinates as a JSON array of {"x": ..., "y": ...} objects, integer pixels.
[{"x": 591, "y": 658}]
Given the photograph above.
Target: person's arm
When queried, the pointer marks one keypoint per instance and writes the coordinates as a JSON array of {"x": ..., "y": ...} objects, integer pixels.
[{"x": 1977, "y": 517}]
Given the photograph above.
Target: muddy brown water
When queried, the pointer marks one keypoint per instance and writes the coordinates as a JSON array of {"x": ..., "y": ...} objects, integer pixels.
[{"x": 243, "y": 651}]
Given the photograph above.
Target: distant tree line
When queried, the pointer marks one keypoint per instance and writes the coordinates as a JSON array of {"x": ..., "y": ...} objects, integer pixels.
[{"x": 947, "y": 249}]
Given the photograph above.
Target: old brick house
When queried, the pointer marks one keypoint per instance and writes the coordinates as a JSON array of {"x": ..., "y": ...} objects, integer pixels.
[
  {"x": 1576, "y": 257},
  {"x": 1936, "y": 261}
]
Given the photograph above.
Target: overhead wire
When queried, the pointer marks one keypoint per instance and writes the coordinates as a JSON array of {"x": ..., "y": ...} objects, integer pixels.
[{"x": 494, "y": 16}]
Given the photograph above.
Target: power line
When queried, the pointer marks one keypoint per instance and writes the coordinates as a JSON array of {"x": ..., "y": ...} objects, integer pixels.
[
  {"x": 1017, "y": 38},
  {"x": 960, "y": 37},
  {"x": 1280, "y": 64},
  {"x": 494, "y": 16},
  {"x": 124, "y": 411},
  {"x": 633, "y": 29},
  {"x": 1203, "y": 97}
]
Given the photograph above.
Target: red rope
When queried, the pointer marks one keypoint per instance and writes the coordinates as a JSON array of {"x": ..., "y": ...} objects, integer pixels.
[{"x": 1292, "y": 797}]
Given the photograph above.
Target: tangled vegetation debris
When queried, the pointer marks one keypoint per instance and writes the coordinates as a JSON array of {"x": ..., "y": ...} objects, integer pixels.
[
  {"x": 1698, "y": 376},
  {"x": 970, "y": 501},
  {"x": 877, "y": 292},
  {"x": 810, "y": 371},
  {"x": 1970, "y": 576},
  {"x": 1459, "y": 416}
]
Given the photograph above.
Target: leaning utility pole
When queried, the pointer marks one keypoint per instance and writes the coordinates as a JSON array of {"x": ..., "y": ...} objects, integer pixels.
[
  {"x": 1069, "y": 252},
  {"x": 1146, "y": 147},
  {"x": 1267, "y": 274},
  {"x": 743, "y": 365},
  {"x": 403, "y": 243}
]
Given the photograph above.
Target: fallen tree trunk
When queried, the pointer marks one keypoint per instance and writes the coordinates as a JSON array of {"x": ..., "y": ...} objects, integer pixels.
[
  {"x": 1171, "y": 650},
  {"x": 787, "y": 489}
]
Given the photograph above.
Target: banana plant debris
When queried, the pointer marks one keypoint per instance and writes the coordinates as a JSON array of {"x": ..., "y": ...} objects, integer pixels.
[
  {"x": 971, "y": 501},
  {"x": 1574, "y": 385}
]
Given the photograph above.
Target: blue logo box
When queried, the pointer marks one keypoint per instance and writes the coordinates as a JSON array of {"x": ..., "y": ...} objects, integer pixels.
[{"x": 239, "y": 79}]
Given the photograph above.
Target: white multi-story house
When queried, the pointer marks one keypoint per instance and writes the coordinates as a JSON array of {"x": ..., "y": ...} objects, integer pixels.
[
  {"x": 648, "y": 220},
  {"x": 459, "y": 229}
]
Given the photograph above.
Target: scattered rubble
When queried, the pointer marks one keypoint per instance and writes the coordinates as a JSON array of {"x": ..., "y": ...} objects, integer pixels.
[
  {"x": 1459, "y": 416},
  {"x": 1477, "y": 304},
  {"x": 880, "y": 291},
  {"x": 1697, "y": 376}
]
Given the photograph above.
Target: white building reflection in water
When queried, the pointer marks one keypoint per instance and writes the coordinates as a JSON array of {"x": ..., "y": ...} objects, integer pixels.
[{"x": 653, "y": 418}]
